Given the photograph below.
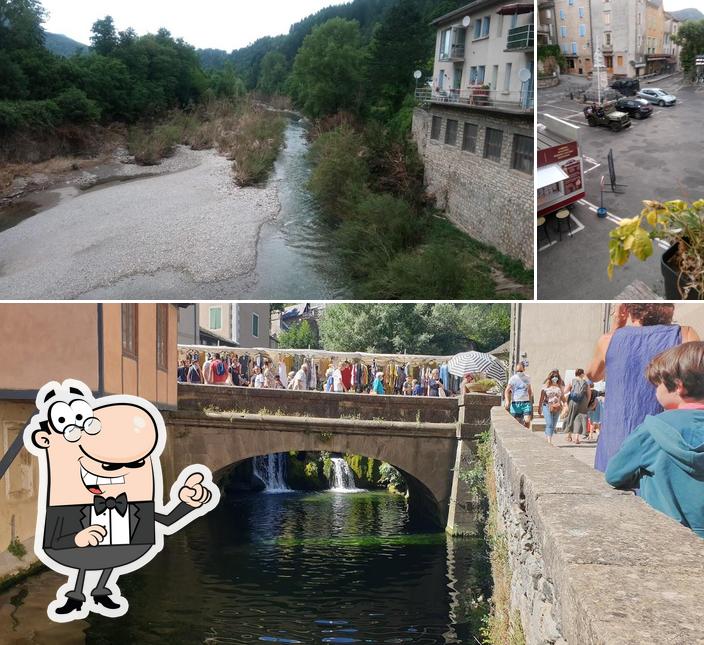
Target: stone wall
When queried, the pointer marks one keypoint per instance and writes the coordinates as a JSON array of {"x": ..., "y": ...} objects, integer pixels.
[
  {"x": 330, "y": 405},
  {"x": 489, "y": 200},
  {"x": 590, "y": 565}
]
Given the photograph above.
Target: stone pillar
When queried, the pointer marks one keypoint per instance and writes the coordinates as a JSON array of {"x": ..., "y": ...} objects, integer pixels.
[{"x": 474, "y": 418}]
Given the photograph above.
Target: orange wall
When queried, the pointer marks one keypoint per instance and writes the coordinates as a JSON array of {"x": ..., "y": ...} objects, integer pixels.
[{"x": 44, "y": 342}]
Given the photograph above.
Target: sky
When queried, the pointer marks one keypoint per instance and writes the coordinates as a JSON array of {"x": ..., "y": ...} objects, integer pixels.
[
  {"x": 219, "y": 24},
  {"x": 676, "y": 5}
]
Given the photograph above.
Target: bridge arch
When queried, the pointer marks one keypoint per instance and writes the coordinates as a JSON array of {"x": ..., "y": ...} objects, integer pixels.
[{"x": 423, "y": 453}]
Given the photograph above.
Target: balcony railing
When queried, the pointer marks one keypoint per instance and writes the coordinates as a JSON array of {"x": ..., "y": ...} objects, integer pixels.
[
  {"x": 456, "y": 53},
  {"x": 479, "y": 98},
  {"x": 520, "y": 39}
]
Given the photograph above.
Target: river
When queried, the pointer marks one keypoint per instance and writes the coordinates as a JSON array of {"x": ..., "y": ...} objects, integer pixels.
[
  {"x": 180, "y": 230},
  {"x": 289, "y": 568}
]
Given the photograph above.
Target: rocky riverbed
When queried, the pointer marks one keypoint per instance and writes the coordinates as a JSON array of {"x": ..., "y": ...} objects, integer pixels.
[{"x": 182, "y": 228}]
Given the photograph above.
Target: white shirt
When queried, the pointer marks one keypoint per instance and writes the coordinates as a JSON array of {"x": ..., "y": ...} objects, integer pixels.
[
  {"x": 259, "y": 380},
  {"x": 300, "y": 381},
  {"x": 337, "y": 381},
  {"x": 117, "y": 526}
]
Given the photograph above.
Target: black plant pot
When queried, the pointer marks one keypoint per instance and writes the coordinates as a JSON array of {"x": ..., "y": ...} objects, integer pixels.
[{"x": 673, "y": 279}]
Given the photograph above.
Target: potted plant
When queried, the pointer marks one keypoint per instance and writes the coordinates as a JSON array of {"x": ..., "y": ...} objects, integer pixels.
[
  {"x": 677, "y": 222},
  {"x": 480, "y": 94}
]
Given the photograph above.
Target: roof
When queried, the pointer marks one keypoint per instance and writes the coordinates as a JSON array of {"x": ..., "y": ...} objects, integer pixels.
[
  {"x": 206, "y": 334},
  {"x": 294, "y": 311},
  {"x": 504, "y": 348},
  {"x": 464, "y": 10}
]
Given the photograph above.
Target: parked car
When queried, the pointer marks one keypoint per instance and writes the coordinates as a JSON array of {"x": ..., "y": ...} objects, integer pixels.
[
  {"x": 634, "y": 107},
  {"x": 626, "y": 86},
  {"x": 607, "y": 116},
  {"x": 657, "y": 96}
]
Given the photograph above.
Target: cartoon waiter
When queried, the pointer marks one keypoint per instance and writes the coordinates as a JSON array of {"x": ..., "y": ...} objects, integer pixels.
[{"x": 100, "y": 513}]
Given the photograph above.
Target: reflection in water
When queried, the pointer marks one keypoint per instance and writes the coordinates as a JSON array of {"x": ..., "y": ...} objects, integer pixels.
[
  {"x": 299, "y": 568},
  {"x": 295, "y": 257}
]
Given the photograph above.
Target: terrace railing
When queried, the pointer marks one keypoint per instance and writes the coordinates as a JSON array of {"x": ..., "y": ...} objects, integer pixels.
[
  {"x": 520, "y": 39},
  {"x": 498, "y": 100}
]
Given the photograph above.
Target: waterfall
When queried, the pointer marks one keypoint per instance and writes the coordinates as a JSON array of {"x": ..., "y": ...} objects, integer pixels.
[
  {"x": 342, "y": 477},
  {"x": 271, "y": 469}
]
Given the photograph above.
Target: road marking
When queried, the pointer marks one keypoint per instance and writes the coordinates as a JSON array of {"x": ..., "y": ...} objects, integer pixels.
[
  {"x": 579, "y": 227},
  {"x": 615, "y": 219}
]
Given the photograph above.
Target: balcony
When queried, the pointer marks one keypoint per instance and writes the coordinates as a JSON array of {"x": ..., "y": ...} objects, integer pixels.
[
  {"x": 480, "y": 98},
  {"x": 520, "y": 39},
  {"x": 455, "y": 55}
]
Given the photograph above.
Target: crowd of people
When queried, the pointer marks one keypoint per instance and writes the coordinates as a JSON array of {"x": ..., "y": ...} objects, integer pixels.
[
  {"x": 648, "y": 420},
  {"x": 340, "y": 377}
]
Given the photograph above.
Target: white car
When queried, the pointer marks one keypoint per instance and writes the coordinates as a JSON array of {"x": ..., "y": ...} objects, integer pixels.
[{"x": 657, "y": 96}]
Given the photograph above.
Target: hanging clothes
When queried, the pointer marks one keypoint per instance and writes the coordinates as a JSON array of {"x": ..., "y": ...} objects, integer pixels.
[{"x": 283, "y": 374}]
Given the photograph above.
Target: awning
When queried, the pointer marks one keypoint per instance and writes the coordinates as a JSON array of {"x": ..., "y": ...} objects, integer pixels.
[
  {"x": 548, "y": 175},
  {"x": 516, "y": 7}
]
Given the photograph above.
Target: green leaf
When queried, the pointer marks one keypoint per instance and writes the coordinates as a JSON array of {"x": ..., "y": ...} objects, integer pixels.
[{"x": 643, "y": 245}]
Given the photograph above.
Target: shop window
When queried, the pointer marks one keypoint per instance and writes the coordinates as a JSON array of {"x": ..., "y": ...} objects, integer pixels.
[
  {"x": 492, "y": 144},
  {"x": 451, "y": 132},
  {"x": 522, "y": 153},
  {"x": 435, "y": 128},
  {"x": 129, "y": 330},
  {"x": 469, "y": 138}
]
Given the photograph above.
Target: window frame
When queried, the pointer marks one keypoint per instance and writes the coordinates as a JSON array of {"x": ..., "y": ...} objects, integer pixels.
[
  {"x": 468, "y": 128},
  {"x": 448, "y": 130},
  {"x": 515, "y": 153},
  {"x": 218, "y": 309},
  {"x": 489, "y": 144},
  {"x": 255, "y": 317},
  {"x": 435, "y": 136},
  {"x": 162, "y": 337},
  {"x": 130, "y": 325}
]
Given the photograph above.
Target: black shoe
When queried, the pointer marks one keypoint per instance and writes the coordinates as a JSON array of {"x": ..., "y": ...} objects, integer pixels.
[
  {"x": 71, "y": 605},
  {"x": 106, "y": 602}
]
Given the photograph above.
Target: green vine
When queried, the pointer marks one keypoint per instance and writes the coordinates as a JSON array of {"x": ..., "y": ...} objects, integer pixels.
[{"x": 17, "y": 548}]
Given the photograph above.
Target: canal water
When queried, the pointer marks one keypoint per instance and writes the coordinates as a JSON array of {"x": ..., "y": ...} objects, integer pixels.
[{"x": 289, "y": 568}]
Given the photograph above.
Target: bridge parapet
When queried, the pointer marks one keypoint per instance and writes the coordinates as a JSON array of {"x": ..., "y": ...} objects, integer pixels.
[
  {"x": 331, "y": 405},
  {"x": 590, "y": 564}
]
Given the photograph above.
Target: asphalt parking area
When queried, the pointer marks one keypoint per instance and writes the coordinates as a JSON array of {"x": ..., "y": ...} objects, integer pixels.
[{"x": 656, "y": 158}]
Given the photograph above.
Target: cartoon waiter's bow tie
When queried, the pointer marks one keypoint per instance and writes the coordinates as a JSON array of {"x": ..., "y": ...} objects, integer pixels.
[{"x": 119, "y": 503}]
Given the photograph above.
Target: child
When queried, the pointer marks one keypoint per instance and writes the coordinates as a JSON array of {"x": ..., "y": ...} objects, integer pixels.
[
  {"x": 417, "y": 388},
  {"x": 407, "y": 388},
  {"x": 664, "y": 456}
]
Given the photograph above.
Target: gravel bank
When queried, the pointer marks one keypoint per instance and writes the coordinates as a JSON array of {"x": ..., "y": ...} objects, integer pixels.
[{"x": 191, "y": 227}]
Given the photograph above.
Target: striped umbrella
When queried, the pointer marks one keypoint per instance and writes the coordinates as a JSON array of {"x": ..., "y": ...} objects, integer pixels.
[{"x": 474, "y": 362}]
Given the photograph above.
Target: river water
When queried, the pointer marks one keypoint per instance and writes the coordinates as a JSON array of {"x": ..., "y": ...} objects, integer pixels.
[
  {"x": 295, "y": 256},
  {"x": 290, "y": 568}
]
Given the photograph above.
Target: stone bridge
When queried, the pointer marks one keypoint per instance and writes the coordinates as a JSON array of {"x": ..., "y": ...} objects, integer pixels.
[{"x": 425, "y": 438}]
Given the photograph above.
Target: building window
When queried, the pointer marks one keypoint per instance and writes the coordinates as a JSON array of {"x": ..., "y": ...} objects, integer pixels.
[
  {"x": 435, "y": 128},
  {"x": 162, "y": 337},
  {"x": 522, "y": 153},
  {"x": 485, "y": 26},
  {"x": 469, "y": 139},
  {"x": 574, "y": 48},
  {"x": 571, "y": 3},
  {"x": 607, "y": 17},
  {"x": 609, "y": 61},
  {"x": 481, "y": 72},
  {"x": 562, "y": 14},
  {"x": 478, "y": 29},
  {"x": 607, "y": 38},
  {"x": 582, "y": 30},
  {"x": 451, "y": 132},
  {"x": 473, "y": 75},
  {"x": 619, "y": 61},
  {"x": 581, "y": 12},
  {"x": 255, "y": 325},
  {"x": 492, "y": 144},
  {"x": 129, "y": 330},
  {"x": 507, "y": 77},
  {"x": 215, "y": 316},
  {"x": 563, "y": 31},
  {"x": 445, "y": 43},
  {"x": 514, "y": 20}
]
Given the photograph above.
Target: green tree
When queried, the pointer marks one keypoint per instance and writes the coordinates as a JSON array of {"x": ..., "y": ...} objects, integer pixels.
[
  {"x": 104, "y": 39},
  {"x": 691, "y": 37},
  {"x": 398, "y": 48},
  {"x": 299, "y": 336},
  {"x": 273, "y": 73},
  {"x": 328, "y": 70},
  {"x": 226, "y": 84},
  {"x": 21, "y": 24}
]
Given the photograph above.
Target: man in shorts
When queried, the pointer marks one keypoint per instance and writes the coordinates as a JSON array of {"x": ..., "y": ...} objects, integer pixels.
[{"x": 518, "y": 396}]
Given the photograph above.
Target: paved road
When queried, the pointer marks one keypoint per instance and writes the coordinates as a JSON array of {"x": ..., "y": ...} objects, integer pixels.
[
  {"x": 657, "y": 158},
  {"x": 189, "y": 234}
]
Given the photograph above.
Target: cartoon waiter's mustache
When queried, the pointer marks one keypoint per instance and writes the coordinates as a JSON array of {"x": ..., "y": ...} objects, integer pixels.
[{"x": 91, "y": 426}]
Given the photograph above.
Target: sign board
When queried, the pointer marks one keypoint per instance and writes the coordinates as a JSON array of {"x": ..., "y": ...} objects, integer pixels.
[{"x": 558, "y": 153}]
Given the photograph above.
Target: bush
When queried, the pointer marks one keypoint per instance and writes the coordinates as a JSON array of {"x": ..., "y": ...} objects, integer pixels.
[
  {"x": 149, "y": 148},
  {"x": 340, "y": 173},
  {"x": 29, "y": 115},
  {"x": 17, "y": 549},
  {"x": 255, "y": 146},
  {"x": 76, "y": 107}
]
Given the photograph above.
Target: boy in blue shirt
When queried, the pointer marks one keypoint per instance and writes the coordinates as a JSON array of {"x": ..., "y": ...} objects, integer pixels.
[{"x": 664, "y": 456}]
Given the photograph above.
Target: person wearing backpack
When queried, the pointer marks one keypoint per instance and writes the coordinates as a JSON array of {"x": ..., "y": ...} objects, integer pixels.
[
  {"x": 194, "y": 374},
  {"x": 218, "y": 371},
  {"x": 578, "y": 394}
]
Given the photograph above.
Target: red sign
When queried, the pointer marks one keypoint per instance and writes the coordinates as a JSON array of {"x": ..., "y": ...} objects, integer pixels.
[{"x": 557, "y": 153}]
